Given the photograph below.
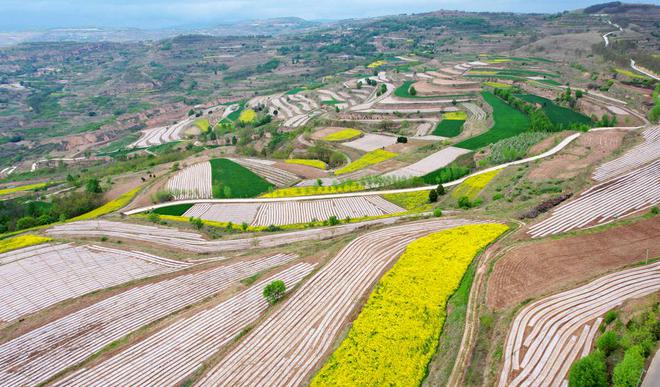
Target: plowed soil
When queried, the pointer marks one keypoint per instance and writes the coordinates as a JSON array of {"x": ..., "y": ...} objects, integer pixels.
[
  {"x": 588, "y": 149},
  {"x": 536, "y": 269}
]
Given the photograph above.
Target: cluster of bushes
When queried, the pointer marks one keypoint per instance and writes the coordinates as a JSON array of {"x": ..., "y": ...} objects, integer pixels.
[
  {"x": 24, "y": 213},
  {"x": 621, "y": 351},
  {"x": 512, "y": 148},
  {"x": 545, "y": 206},
  {"x": 329, "y": 156}
]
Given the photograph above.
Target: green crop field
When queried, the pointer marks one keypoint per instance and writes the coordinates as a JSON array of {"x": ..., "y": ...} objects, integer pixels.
[
  {"x": 449, "y": 128},
  {"x": 234, "y": 115},
  {"x": 559, "y": 115},
  {"x": 508, "y": 123},
  {"x": 175, "y": 210},
  {"x": 331, "y": 102},
  {"x": 230, "y": 180}
]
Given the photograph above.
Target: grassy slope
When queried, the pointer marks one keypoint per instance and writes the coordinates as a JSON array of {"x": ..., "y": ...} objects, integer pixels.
[
  {"x": 242, "y": 182},
  {"x": 557, "y": 114},
  {"x": 508, "y": 123},
  {"x": 449, "y": 128}
]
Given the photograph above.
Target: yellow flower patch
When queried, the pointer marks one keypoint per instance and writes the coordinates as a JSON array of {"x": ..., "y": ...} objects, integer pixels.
[
  {"x": 396, "y": 334},
  {"x": 455, "y": 116},
  {"x": 310, "y": 163},
  {"x": 247, "y": 116},
  {"x": 473, "y": 185},
  {"x": 498, "y": 85},
  {"x": 370, "y": 158},
  {"x": 203, "y": 124},
  {"x": 499, "y": 60},
  {"x": 18, "y": 242},
  {"x": 111, "y": 206},
  {"x": 342, "y": 135},
  {"x": 377, "y": 63},
  {"x": 417, "y": 200},
  {"x": 28, "y": 187},
  {"x": 314, "y": 190}
]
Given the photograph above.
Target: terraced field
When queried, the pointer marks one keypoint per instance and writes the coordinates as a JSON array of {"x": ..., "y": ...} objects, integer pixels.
[
  {"x": 309, "y": 321},
  {"x": 605, "y": 202},
  {"x": 229, "y": 179},
  {"x": 508, "y": 122},
  {"x": 293, "y": 212},
  {"x": 38, "y": 277},
  {"x": 172, "y": 354},
  {"x": 547, "y": 336},
  {"x": 639, "y": 155},
  {"x": 559, "y": 115},
  {"x": 43, "y": 352},
  {"x": 192, "y": 182}
]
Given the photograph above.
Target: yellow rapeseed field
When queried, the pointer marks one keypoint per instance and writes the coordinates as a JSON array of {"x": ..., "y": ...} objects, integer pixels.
[
  {"x": 314, "y": 190},
  {"x": 21, "y": 241},
  {"x": 498, "y": 85},
  {"x": 343, "y": 135},
  {"x": 473, "y": 185},
  {"x": 396, "y": 334},
  {"x": 417, "y": 200},
  {"x": 377, "y": 63},
  {"x": 370, "y": 158},
  {"x": 28, "y": 187},
  {"x": 455, "y": 116},
  {"x": 111, "y": 206},
  {"x": 247, "y": 116},
  {"x": 310, "y": 163},
  {"x": 203, "y": 124}
]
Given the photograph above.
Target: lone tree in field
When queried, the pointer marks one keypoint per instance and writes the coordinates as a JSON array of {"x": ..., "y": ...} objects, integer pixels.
[
  {"x": 413, "y": 91},
  {"x": 274, "y": 291},
  {"x": 433, "y": 196},
  {"x": 440, "y": 190}
]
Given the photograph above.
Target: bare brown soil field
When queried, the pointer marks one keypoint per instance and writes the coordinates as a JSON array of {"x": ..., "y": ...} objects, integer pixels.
[
  {"x": 302, "y": 170},
  {"x": 547, "y": 143},
  {"x": 588, "y": 149},
  {"x": 535, "y": 269},
  {"x": 428, "y": 88}
]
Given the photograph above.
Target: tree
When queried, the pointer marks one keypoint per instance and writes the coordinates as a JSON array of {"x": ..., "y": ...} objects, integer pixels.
[
  {"x": 433, "y": 196},
  {"x": 333, "y": 221},
  {"x": 413, "y": 91},
  {"x": 440, "y": 190},
  {"x": 274, "y": 291},
  {"x": 627, "y": 373},
  {"x": 93, "y": 186},
  {"x": 590, "y": 371}
]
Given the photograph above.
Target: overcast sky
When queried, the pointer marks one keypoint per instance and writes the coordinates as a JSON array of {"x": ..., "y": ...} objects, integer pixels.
[{"x": 36, "y": 14}]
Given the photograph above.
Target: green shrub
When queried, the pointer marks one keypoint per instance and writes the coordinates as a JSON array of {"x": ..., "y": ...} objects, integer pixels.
[
  {"x": 274, "y": 291},
  {"x": 607, "y": 342},
  {"x": 198, "y": 223},
  {"x": 464, "y": 203},
  {"x": 437, "y": 212},
  {"x": 610, "y": 316},
  {"x": 628, "y": 372},
  {"x": 433, "y": 196},
  {"x": 153, "y": 217},
  {"x": 590, "y": 371}
]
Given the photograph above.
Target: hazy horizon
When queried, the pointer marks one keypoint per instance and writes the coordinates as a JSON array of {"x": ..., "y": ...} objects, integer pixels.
[{"x": 156, "y": 14}]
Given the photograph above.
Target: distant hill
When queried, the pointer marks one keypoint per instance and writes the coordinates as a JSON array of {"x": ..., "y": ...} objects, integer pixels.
[{"x": 616, "y": 7}]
